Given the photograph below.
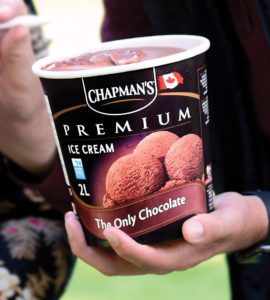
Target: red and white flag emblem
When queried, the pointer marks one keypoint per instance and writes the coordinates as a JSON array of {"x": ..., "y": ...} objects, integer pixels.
[{"x": 170, "y": 81}]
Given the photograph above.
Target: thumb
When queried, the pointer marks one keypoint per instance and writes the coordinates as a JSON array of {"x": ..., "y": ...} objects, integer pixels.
[
  {"x": 16, "y": 46},
  {"x": 206, "y": 228}
]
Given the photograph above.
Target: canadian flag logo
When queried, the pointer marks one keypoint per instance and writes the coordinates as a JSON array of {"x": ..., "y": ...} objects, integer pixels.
[{"x": 170, "y": 81}]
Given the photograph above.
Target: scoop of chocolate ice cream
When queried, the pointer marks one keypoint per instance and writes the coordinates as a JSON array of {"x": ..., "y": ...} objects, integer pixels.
[
  {"x": 107, "y": 201},
  {"x": 172, "y": 184},
  {"x": 133, "y": 176},
  {"x": 184, "y": 160},
  {"x": 156, "y": 144}
]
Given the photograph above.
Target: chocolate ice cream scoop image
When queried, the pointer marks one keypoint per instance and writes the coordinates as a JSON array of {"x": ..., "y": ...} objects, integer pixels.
[
  {"x": 133, "y": 176},
  {"x": 156, "y": 144},
  {"x": 184, "y": 160},
  {"x": 107, "y": 201},
  {"x": 172, "y": 184}
]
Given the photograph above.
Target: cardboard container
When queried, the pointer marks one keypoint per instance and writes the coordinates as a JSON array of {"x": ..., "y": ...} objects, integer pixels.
[{"x": 133, "y": 139}]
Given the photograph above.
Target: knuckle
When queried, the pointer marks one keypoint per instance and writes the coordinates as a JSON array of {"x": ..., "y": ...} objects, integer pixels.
[
  {"x": 76, "y": 250},
  {"x": 185, "y": 266},
  {"x": 122, "y": 251},
  {"x": 108, "y": 272},
  {"x": 163, "y": 271}
]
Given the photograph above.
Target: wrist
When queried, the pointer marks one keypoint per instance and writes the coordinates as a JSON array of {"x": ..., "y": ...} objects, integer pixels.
[
  {"x": 262, "y": 241},
  {"x": 260, "y": 217}
]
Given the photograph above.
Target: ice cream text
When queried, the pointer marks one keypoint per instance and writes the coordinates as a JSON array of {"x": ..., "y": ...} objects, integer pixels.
[
  {"x": 143, "y": 214},
  {"x": 126, "y": 126}
]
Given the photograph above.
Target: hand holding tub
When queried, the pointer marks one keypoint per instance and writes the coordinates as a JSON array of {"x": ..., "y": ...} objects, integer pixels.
[{"x": 237, "y": 222}]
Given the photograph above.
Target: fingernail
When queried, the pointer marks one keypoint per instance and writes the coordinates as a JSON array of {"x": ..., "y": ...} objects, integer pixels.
[
  {"x": 111, "y": 238},
  {"x": 195, "y": 230},
  {"x": 69, "y": 216}
]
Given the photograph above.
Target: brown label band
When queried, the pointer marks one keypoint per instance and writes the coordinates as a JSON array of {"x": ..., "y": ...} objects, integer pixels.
[{"x": 146, "y": 215}]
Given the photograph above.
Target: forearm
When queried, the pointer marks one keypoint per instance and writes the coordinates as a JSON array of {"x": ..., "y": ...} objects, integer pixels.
[
  {"x": 25, "y": 133},
  {"x": 31, "y": 144}
]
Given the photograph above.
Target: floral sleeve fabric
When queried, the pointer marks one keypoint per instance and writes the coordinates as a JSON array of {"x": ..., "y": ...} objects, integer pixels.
[{"x": 35, "y": 258}]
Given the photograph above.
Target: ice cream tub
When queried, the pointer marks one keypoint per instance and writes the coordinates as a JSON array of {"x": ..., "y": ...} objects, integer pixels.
[{"x": 131, "y": 122}]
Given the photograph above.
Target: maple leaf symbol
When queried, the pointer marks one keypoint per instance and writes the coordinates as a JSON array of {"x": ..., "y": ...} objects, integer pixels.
[{"x": 170, "y": 80}]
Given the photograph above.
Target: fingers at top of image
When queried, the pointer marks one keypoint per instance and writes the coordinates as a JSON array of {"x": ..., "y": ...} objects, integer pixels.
[{"x": 10, "y": 9}]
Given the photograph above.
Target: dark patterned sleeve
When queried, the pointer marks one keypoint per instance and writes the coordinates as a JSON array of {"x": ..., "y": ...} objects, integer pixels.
[{"x": 52, "y": 187}]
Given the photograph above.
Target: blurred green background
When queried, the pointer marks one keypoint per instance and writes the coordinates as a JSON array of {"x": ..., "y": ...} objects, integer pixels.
[
  {"x": 208, "y": 281},
  {"x": 78, "y": 23}
]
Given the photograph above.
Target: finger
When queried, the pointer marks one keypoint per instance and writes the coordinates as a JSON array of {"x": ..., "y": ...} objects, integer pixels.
[
  {"x": 74, "y": 232},
  {"x": 104, "y": 260},
  {"x": 208, "y": 228},
  {"x": 16, "y": 54},
  {"x": 78, "y": 243},
  {"x": 158, "y": 259},
  {"x": 10, "y": 9},
  {"x": 16, "y": 44},
  {"x": 5, "y": 12},
  {"x": 204, "y": 229}
]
